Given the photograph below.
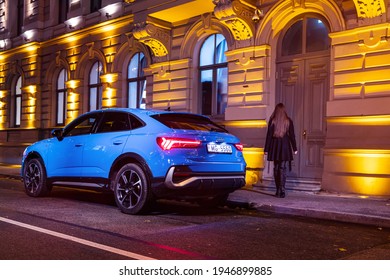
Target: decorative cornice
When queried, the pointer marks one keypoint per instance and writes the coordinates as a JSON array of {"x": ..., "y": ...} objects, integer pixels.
[
  {"x": 155, "y": 37},
  {"x": 236, "y": 16}
]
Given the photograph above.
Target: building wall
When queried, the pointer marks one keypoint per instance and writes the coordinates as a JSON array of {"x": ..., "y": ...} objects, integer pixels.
[{"x": 170, "y": 34}]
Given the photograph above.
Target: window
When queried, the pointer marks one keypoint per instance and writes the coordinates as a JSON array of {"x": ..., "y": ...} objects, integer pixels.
[
  {"x": 18, "y": 102},
  {"x": 95, "y": 5},
  {"x": 63, "y": 10},
  {"x": 61, "y": 97},
  {"x": 305, "y": 36},
  {"x": 82, "y": 126},
  {"x": 113, "y": 121},
  {"x": 20, "y": 17},
  {"x": 188, "y": 122},
  {"x": 136, "y": 82},
  {"x": 317, "y": 38},
  {"x": 213, "y": 75},
  {"x": 95, "y": 86}
]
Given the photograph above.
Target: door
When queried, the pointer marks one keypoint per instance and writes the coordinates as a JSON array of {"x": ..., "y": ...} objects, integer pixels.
[
  {"x": 106, "y": 145},
  {"x": 66, "y": 155},
  {"x": 302, "y": 83},
  {"x": 303, "y": 86}
]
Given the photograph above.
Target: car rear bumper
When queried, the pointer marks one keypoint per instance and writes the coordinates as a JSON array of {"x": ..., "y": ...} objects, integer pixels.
[{"x": 188, "y": 184}]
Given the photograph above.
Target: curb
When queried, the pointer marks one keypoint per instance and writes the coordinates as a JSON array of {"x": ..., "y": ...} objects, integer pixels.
[{"x": 325, "y": 215}]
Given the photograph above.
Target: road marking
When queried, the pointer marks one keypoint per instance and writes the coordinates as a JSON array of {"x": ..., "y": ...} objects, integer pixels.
[{"x": 78, "y": 240}]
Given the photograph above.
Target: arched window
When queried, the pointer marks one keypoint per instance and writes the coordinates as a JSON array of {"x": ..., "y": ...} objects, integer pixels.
[
  {"x": 136, "y": 81},
  {"x": 95, "y": 86},
  {"x": 18, "y": 102},
  {"x": 61, "y": 97},
  {"x": 305, "y": 36},
  {"x": 213, "y": 73}
]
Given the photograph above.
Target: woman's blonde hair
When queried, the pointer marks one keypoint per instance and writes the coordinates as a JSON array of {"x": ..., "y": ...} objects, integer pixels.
[{"x": 280, "y": 121}]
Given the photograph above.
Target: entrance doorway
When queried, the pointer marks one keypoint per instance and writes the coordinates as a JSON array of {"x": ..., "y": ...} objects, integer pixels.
[{"x": 302, "y": 84}]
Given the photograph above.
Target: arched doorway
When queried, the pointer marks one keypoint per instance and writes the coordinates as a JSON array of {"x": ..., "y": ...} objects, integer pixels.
[{"x": 302, "y": 84}]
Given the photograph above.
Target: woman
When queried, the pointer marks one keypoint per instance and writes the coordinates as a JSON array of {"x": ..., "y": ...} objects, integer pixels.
[{"x": 280, "y": 145}]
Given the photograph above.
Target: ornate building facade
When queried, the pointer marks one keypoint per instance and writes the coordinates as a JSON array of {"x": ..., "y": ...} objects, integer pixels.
[{"x": 233, "y": 60}]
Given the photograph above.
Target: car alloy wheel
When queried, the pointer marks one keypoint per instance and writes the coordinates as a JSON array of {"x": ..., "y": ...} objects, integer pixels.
[
  {"x": 132, "y": 193},
  {"x": 34, "y": 178}
]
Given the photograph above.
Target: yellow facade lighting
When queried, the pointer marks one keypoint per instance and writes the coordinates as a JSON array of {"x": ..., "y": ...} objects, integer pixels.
[
  {"x": 364, "y": 171},
  {"x": 72, "y": 84},
  {"x": 361, "y": 120},
  {"x": 247, "y": 123},
  {"x": 109, "y": 78}
]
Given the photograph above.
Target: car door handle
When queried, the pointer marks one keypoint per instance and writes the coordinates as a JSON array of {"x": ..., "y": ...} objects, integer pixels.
[
  {"x": 78, "y": 145},
  {"x": 118, "y": 142}
]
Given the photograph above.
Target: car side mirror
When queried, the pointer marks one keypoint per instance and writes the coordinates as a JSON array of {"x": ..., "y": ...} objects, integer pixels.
[{"x": 57, "y": 133}]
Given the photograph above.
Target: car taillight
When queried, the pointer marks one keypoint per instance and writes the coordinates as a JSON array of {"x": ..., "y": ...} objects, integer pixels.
[
  {"x": 168, "y": 143},
  {"x": 239, "y": 146}
]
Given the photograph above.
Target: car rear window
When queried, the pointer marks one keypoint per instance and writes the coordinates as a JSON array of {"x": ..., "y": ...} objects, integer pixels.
[{"x": 188, "y": 122}]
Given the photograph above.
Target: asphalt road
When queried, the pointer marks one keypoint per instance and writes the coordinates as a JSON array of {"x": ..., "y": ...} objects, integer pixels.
[{"x": 74, "y": 224}]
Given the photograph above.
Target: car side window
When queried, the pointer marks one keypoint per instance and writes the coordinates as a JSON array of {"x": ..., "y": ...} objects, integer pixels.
[
  {"x": 114, "y": 121},
  {"x": 135, "y": 122},
  {"x": 83, "y": 126}
]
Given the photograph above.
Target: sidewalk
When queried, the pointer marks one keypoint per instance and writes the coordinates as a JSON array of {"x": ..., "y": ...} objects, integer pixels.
[{"x": 373, "y": 211}]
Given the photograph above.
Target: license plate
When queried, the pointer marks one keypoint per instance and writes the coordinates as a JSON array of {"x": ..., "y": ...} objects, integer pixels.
[{"x": 219, "y": 148}]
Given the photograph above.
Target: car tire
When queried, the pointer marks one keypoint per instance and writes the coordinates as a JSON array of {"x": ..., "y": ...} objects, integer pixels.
[
  {"x": 34, "y": 178},
  {"x": 131, "y": 189}
]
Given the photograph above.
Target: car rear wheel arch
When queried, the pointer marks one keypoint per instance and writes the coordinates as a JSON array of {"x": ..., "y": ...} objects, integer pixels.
[{"x": 125, "y": 159}]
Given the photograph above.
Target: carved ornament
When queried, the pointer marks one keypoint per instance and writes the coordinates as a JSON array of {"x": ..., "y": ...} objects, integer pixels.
[
  {"x": 369, "y": 8},
  {"x": 236, "y": 16},
  {"x": 156, "y": 38}
]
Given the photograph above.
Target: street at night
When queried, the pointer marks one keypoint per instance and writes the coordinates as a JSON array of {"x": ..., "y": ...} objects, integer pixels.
[{"x": 73, "y": 224}]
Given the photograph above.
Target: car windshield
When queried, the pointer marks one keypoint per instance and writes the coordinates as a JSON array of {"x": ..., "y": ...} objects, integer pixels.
[{"x": 188, "y": 122}]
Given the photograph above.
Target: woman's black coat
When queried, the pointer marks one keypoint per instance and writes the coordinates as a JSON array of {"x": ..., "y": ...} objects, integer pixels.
[{"x": 280, "y": 149}]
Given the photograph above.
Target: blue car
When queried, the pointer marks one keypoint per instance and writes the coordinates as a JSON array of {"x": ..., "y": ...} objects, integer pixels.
[{"x": 141, "y": 155}]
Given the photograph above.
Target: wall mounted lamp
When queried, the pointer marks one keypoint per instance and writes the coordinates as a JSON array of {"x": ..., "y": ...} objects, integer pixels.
[{"x": 258, "y": 14}]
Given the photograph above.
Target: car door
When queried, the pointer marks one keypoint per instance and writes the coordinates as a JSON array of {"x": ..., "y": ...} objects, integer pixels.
[
  {"x": 66, "y": 152},
  {"x": 105, "y": 145}
]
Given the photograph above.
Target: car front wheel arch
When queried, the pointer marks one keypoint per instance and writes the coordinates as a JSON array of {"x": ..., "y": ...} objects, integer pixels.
[{"x": 35, "y": 177}]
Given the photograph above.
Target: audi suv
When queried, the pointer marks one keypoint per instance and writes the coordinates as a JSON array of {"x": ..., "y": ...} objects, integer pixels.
[{"x": 141, "y": 155}]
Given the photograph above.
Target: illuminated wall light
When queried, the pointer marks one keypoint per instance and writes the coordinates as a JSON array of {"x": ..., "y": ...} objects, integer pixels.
[
  {"x": 31, "y": 48},
  {"x": 73, "y": 22},
  {"x": 361, "y": 120},
  {"x": 364, "y": 171},
  {"x": 3, "y": 44},
  {"x": 108, "y": 28},
  {"x": 109, "y": 92},
  {"x": 28, "y": 35},
  {"x": 247, "y": 123},
  {"x": 109, "y": 78},
  {"x": 32, "y": 88},
  {"x": 72, "y": 84},
  {"x": 111, "y": 9}
]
